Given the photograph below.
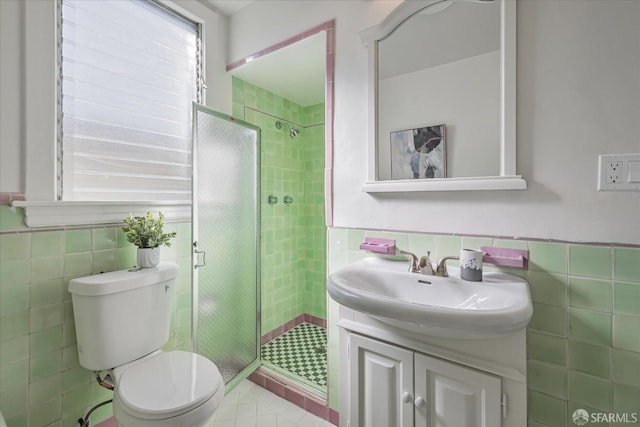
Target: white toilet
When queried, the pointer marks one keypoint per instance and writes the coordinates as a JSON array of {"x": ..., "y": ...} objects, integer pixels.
[{"x": 122, "y": 320}]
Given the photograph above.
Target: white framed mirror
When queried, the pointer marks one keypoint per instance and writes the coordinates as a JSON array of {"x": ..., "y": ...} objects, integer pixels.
[{"x": 442, "y": 97}]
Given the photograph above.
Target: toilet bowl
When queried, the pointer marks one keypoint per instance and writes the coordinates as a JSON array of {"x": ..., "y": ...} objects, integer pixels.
[
  {"x": 170, "y": 389},
  {"x": 122, "y": 320}
]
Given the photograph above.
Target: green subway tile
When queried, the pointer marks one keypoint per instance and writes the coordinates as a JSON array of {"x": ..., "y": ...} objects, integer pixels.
[
  {"x": 14, "y": 375},
  {"x": 46, "y": 244},
  {"x": 76, "y": 401},
  {"x": 45, "y": 341},
  {"x": 625, "y": 400},
  {"x": 549, "y": 318},
  {"x": 591, "y": 391},
  {"x": 45, "y": 365},
  {"x": 11, "y": 219},
  {"x": 589, "y": 293},
  {"x": 548, "y": 288},
  {"x": 626, "y": 298},
  {"x": 626, "y": 332},
  {"x": 44, "y": 317},
  {"x": 13, "y": 325},
  {"x": 103, "y": 261},
  {"x": 14, "y": 350},
  {"x": 590, "y": 326},
  {"x": 626, "y": 367},
  {"x": 548, "y": 257},
  {"x": 68, "y": 334},
  {"x": 420, "y": 244},
  {"x": 77, "y": 241},
  {"x": 546, "y": 409},
  {"x": 15, "y": 298},
  {"x": 510, "y": 243},
  {"x": 46, "y": 268},
  {"x": 14, "y": 401},
  {"x": 547, "y": 379},
  {"x": 45, "y": 389},
  {"x": 70, "y": 357},
  {"x": 75, "y": 378},
  {"x": 15, "y": 246},
  {"x": 48, "y": 292},
  {"x": 590, "y": 359},
  {"x": 77, "y": 264},
  {"x": 626, "y": 264},
  {"x": 47, "y": 413},
  {"x": 14, "y": 272},
  {"x": 590, "y": 261},
  {"x": 105, "y": 238},
  {"x": 546, "y": 348},
  {"x": 448, "y": 246}
]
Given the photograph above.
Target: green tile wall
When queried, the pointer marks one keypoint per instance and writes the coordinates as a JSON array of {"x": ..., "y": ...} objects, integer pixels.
[
  {"x": 583, "y": 343},
  {"x": 293, "y": 260},
  {"x": 41, "y": 381}
]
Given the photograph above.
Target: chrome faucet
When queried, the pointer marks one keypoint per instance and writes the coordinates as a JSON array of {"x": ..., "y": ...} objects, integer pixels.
[
  {"x": 422, "y": 266},
  {"x": 441, "y": 269}
]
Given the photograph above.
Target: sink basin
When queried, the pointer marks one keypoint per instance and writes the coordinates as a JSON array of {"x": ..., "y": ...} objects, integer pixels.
[{"x": 436, "y": 306}]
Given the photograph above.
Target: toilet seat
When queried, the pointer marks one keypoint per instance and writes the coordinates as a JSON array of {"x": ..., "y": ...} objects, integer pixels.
[{"x": 167, "y": 385}]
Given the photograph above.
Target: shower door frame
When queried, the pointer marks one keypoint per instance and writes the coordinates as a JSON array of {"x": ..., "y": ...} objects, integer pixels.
[{"x": 244, "y": 373}]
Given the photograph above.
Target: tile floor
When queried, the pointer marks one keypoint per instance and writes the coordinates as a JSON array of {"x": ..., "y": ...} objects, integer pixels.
[
  {"x": 301, "y": 351},
  {"x": 250, "y": 405}
]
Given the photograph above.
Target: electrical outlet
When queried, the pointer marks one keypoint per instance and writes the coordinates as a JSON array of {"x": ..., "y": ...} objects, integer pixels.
[
  {"x": 619, "y": 172},
  {"x": 614, "y": 172}
]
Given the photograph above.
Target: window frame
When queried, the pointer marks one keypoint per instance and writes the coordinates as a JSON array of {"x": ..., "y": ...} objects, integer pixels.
[{"x": 41, "y": 127}]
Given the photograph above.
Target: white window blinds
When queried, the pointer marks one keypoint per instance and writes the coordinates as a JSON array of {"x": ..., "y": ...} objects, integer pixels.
[{"x": 129, "y": 72}]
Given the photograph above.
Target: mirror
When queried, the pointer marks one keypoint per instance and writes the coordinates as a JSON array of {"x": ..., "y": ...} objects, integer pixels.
[{"x": 442, "y": 97}]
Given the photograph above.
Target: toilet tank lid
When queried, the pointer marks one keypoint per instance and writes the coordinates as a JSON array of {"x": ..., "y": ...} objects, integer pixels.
[{"x": 123, "y": 280}]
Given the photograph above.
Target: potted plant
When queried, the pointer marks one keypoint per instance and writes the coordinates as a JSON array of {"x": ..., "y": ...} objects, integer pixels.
[{"x": 146, "y": 233}]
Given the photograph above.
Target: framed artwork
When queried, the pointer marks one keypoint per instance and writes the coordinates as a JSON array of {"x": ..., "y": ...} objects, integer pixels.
[{"x": 419, "y": 153}]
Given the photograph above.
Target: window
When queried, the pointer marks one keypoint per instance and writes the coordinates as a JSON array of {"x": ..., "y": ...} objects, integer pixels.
[{"x": 129, "y": 71}]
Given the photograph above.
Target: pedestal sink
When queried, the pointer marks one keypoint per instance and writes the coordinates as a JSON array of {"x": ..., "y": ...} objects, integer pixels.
[{"x": 446, "y": 307}]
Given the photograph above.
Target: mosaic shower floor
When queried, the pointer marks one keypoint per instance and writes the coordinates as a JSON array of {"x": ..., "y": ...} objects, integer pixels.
[{"x": 301, "y": 351}]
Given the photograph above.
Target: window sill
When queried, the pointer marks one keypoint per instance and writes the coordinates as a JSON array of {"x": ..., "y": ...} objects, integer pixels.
[{"x": 48, "y": 214}]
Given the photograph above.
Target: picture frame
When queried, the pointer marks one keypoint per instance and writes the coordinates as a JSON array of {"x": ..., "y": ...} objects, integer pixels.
[{"x": 419, "y": 153}]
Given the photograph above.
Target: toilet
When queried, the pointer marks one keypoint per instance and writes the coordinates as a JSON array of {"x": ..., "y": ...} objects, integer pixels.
[{"x": 122, "y": 320}]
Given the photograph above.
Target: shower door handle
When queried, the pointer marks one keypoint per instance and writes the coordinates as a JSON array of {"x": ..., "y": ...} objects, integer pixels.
[{"x": 197, "y": 252}]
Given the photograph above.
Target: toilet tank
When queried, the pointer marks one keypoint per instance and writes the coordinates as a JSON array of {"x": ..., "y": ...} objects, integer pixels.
[{"x": 122, "y": 315}]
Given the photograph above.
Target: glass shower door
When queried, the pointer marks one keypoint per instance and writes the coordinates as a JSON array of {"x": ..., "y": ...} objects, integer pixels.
[{"x": 226, "y": 234}]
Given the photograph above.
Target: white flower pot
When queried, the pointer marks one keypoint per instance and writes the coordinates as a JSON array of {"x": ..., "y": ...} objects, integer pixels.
[{"x": 148, "y": 257}]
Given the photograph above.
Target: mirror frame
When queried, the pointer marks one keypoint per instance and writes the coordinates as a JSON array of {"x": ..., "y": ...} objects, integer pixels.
[{"x": 507, "y": 180}]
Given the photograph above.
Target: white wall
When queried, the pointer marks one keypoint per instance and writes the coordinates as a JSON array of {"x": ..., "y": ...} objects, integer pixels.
[
  {"x": 11, "y": 102},
  {"x": 578, "y": 96}
]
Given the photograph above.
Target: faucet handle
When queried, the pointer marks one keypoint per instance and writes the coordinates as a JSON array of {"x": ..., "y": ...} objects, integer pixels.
[
  {"x": 413, "y": 261},
  {"x": 425, "y": 264}
]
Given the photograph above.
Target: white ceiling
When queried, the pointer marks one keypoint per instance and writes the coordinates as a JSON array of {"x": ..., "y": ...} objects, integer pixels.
[
  {"x": 296, "y": 72},
  {"x": 228, "y": 7}
]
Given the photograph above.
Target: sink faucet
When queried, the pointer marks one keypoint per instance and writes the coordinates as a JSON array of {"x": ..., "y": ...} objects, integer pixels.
[
  {"x": 422, "y": 266},
  {"x": 413, "y": 261},
  {"x": 441, "y": 269}
]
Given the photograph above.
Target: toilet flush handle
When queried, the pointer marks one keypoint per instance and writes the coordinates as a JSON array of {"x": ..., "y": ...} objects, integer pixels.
[{"x": 198, "y": 252}]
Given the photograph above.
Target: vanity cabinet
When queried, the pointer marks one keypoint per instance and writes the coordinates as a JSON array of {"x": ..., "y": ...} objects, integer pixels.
[{"x": 395, "y": 386}]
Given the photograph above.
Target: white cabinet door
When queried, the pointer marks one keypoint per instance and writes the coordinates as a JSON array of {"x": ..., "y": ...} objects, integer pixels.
[
  {"x": 381, "y": 390},
  {"x": 450, "y": 395}
]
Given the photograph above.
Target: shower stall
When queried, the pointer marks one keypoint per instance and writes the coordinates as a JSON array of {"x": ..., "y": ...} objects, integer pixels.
[{"x": 259, "y": 295}]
